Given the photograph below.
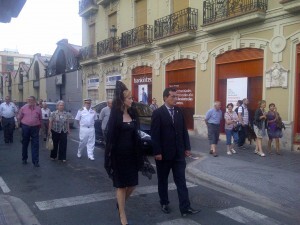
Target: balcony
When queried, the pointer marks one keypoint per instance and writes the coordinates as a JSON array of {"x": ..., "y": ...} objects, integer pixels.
[
  {"x": 88, "y": 55},
  {"x": 137, "y": 40},
  {"x": 223, "y": 15},
  {"x": 36, "y": 84},
  {"x": 20, "y": 87},
  {"x": 291, "y": 5},
  {"x": 108, "y": 49},
  {"x": 179, "y": 26},
  {"x": 87, "y": 8}
]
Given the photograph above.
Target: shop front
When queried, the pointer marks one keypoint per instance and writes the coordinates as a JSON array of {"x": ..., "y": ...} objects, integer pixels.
[
  {"x": 142, "y": 84},
  {"x": 181, "y": 75},
  {"x": 239, "y": 75},
  {"x": 297, "y": 99}
]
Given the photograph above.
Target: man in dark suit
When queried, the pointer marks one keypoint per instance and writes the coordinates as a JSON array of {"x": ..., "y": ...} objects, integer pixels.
[{"x": 171, "y": 145}]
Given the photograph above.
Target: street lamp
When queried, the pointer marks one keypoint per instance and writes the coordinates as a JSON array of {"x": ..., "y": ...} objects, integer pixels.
[{"x": 113, "y": 31}]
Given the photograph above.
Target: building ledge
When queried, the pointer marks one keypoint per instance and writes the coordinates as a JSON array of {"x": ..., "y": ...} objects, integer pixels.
[
  {"x": 176, "y": 38},
  {"x": 135, "y": 49},
  {"x": 89, "y": 61},
  {"x": 89, "y": 10},
  {"x": 292, "y": 6},
  {"x": 110, "y": 56},
  {"x": 235, "y": 22}
]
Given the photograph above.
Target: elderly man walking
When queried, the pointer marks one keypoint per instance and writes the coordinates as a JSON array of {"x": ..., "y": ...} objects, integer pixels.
[
  {"x": 104, "y": 116},
  {"x": 30, "y": 116},
  {"x": 86, "y": 117},
  {"x": 8, "y": 112},
  {"x": 45, "y": 119},
  {"x": 212, "y": 119}
]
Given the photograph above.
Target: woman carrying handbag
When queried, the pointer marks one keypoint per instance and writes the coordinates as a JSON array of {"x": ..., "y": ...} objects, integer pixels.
[{"x": 59, "y": 128}]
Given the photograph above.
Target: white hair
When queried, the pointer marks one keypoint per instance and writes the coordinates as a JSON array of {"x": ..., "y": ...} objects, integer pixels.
[{"x": 59, "y": 102}]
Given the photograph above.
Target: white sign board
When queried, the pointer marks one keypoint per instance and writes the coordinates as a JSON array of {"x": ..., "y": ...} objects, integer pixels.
[{"x": 236, "y": 89}]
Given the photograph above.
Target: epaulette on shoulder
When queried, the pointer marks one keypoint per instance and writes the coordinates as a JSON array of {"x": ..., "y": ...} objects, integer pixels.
[{"x": 81, "y": 109}]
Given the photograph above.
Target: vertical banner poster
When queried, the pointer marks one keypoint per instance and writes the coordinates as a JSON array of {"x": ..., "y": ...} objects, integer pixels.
[
  {"x": 236, "y": 89},
  {"x": 143, "y": 93}
]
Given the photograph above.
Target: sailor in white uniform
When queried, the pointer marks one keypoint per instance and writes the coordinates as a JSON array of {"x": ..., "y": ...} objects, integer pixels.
[{"x": 86, "y": 117}]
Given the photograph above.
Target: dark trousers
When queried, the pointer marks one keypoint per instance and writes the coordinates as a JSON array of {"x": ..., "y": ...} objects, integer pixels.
[
  {"x": 59, "y": 145},
  {"x": 30, "y": 132},
  {"x": 45, "y": 126},
  {"x": 8, "y": 129},
  {"x": 178, "y": 169},
  {"x": 243, "y": 133}
]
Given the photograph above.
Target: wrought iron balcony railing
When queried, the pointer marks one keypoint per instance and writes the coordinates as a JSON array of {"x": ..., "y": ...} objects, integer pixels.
[
  {"x": 88, "y": 52},
  {"x": 178, "y": 22},
  {"x": 85, "y": 4},
  {"x": 219, "y": 10},
  {"x": 108, "y": 46},
  {"x": 137, "y": 36}
]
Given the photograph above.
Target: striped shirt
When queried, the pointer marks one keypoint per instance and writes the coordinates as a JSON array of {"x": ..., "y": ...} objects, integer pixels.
[
  {"x": 245, "y": 117},
  {"x": 30, "y": 115}
]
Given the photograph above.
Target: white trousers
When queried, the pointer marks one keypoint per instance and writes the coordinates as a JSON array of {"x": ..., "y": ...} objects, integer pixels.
[{"x": 87, "y": 138}]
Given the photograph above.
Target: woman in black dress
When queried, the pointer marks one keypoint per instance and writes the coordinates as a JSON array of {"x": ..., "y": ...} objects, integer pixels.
[{"x": 122, "y": 156}]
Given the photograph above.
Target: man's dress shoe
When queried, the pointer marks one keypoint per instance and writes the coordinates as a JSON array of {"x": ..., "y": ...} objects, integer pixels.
[
  {"x": 165, "y": 209},
  {"x": 189, "y": 211}
]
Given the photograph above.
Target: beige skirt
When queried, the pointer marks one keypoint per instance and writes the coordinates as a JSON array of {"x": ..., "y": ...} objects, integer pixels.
[{"x": 260, "y": 133}]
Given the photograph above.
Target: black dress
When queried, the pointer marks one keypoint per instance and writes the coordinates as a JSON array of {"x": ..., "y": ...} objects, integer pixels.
[{"x": 126, "y": 163}]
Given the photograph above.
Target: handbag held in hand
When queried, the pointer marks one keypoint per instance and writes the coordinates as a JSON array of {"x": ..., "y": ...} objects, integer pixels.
[{"x": 49, "y": 143}]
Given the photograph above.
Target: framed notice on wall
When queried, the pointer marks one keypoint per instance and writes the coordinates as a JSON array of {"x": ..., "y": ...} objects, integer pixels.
[{"x": 237, "y": 89}]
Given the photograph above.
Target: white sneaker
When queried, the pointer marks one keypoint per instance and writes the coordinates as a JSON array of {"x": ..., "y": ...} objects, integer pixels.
[
  {"x": 91, "y": 158},
  {"x": 233, "y": 151},
  {"x": 229, "y": 153},
  {"x": 255, "y": 151},
  {"x": 78, "y": 155}
]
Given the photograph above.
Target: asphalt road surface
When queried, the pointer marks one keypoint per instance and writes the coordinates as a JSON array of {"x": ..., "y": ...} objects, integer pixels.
[{"x": 79, "y": 192}]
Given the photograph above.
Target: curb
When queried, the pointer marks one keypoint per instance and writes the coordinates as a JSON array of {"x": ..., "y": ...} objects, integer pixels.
[
  {"x": 198, "y": 177},
  {"x": 14, "y": 211}
]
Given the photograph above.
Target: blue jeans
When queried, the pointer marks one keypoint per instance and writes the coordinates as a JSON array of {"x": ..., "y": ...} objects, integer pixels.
[
  {"x": 229, "y": 134},
  {"x": 30, "y": 132}
]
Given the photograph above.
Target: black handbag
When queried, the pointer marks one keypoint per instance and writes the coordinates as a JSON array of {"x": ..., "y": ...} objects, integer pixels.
[
  {"x": 147, "y": 169},
  {"x": 237, "y": 128}
]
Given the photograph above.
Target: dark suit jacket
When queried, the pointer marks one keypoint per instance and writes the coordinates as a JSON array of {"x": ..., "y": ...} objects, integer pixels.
[{"x": 169, "y": 139}]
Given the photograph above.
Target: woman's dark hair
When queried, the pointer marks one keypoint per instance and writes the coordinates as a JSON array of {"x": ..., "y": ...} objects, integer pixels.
[
  {"x": 118, "y": 100},
  {"x": 229, "y": 104},
  {"x": 271, "y": 104},
  {"x": 240, "y": 102}
]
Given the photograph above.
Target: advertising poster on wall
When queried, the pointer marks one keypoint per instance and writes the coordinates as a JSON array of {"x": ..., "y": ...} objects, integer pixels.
[
  {"x": 143, "y": 93},
  {"x": 236, "y": 89}
]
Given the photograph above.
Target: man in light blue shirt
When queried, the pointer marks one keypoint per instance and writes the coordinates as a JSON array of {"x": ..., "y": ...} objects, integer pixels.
[
  {"x": 8, "y": 112},
  {"x": 212, "y": 119}
]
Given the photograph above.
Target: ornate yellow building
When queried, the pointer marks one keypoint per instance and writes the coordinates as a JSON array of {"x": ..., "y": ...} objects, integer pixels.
[{"x": 210, "y": 50}]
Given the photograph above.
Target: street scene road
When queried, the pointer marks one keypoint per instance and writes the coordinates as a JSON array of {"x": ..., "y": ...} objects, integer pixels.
[{"x": 80, "y": 192}]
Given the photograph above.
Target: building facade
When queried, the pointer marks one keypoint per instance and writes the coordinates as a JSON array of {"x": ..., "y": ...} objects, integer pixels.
[
  {"x": 64, "y": 79},
  {"x": 10, "y": 62},
  {"x": 209, "y": 50}
]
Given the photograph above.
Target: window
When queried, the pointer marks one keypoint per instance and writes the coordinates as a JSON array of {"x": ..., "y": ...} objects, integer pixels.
[{"x": 140, "y": 12}]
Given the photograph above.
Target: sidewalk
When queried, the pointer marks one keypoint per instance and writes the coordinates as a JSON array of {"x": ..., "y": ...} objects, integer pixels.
[
  {"x": 271, "y": 181},
  {"x": 14, "y": 211}
]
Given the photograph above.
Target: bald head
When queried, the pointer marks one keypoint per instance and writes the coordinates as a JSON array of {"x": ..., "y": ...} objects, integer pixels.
[{"x": 109, "y": 103}]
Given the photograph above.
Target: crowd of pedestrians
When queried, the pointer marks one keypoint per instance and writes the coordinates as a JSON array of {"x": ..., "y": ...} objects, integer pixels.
[{"x": 238, "y": 127}]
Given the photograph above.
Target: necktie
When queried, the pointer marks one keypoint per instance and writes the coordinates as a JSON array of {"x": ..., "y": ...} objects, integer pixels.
[{"x": 172, "y": 114}]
